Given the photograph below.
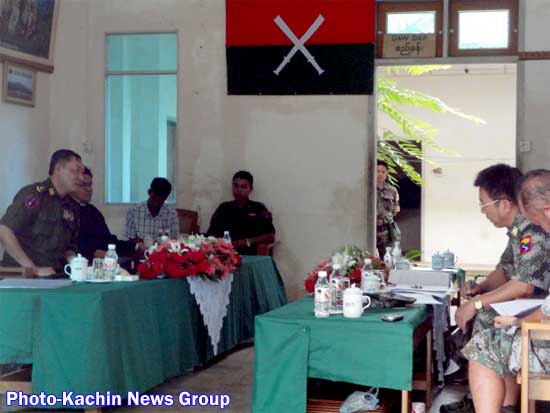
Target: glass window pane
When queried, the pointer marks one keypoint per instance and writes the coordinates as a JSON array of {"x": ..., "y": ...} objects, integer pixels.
[
  {"x": 413, "y": 22},
  {"x": 128, "y": 52},
  {"x": 140, "y": 131},
  {"x": 483, "y": 29}
]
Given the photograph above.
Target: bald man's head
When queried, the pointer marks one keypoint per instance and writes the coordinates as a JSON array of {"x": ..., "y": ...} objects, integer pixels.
[{"x": 534, "y": 197}]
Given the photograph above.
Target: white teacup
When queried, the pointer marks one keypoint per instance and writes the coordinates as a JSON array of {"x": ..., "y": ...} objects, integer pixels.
[
  {"x": 77, "y": 269},
  {"x": 353, "y": 302}
]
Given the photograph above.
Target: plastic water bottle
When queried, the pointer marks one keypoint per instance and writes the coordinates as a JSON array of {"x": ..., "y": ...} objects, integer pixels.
[
  {"x": 322, "y": 296},
  {"x": 396, "y": 253},
  {"x": 226, "y": 237},
  {"x": 388, "y": 259},
  {"x": 110, "y": 263},
  {"x": 366, "y": 270},
  {"x": 336, "y": 291},
  {"x": 367, "y": 266}
]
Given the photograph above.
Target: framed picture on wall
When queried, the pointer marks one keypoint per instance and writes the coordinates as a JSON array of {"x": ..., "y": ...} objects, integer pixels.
[
  {"x": 27, "y": 32},
  {"x": 19, "y": 84}
]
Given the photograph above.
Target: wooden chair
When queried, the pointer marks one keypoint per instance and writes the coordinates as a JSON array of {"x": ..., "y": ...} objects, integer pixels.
[
  {"x": 189, "y": 221},
  {"x": 266, "y": 249},
  {"x": 534, "y": 386}
]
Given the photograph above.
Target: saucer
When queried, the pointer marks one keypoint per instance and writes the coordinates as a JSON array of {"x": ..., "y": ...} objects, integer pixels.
[{"x": 98, "y": 281}]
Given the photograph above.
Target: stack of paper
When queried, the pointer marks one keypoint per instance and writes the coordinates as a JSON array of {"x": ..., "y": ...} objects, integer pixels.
[{"x": 517, "y": 308}]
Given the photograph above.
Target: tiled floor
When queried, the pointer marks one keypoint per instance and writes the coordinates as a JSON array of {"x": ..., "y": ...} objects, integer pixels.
[{"x": 232, "y": 375}]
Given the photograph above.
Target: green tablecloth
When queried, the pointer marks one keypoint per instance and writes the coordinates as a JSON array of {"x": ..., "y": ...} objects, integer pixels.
[
  {"x": 292, "y": 345},
  {"x": 125, "y": 337}
]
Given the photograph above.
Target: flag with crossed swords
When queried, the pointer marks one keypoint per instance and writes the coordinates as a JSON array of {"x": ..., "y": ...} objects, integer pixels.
[{"x": 287, "y": 47}]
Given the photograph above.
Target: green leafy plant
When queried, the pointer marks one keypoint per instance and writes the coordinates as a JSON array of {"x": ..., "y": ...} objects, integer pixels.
[{"x": 399, "y": 150}]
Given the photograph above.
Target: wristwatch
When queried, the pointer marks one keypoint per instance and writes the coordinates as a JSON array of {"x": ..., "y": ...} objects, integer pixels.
[
  {"x": 248, "y": 243},
  {"x": 478, "y": 305}
]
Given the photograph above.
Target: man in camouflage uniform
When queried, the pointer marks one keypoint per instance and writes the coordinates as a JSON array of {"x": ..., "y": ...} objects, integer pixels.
[
  {"x": 40, "y": 227},
  {"x": 387, "y": 207},
  {"x": 525, "y": 264}
]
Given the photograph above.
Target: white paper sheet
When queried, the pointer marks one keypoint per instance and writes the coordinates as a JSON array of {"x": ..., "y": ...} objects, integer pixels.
[
  {"x": 33, "y": 283},
  {"x": 517, "y": 308}
]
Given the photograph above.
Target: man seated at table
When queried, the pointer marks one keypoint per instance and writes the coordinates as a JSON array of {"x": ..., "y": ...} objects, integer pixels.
[
  {"x": 39, "y": 230},
  {"x": 521, "y": 271},
  {"x": 94, "y": 235},
  {"x": 249, "y": 222},
  {"x": 151, "y": 218},
  {"x": 494, "y": 354}
]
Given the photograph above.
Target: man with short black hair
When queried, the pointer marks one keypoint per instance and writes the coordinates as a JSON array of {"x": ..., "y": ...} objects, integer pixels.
[
  {"x": 40, "y": 227},
  {"x": 387, "y": 207},
  {"x": 521, "y": 272},
  {"x": 494, "y": 354},
  {"x": 94, "y": 234},
  {"x": 151, "y": 217},
  {"x": 249, "y": 222}
]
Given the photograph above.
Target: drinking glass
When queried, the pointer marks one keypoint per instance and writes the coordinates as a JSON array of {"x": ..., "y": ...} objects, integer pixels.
[{"x": 97, "y": 268}]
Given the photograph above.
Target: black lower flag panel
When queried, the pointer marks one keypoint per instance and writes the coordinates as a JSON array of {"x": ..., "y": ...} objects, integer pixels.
[{"x": 346, "y": 70}]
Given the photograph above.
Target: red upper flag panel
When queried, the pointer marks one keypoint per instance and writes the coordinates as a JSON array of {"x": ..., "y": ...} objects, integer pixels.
[{"x": 252, "y": 22}]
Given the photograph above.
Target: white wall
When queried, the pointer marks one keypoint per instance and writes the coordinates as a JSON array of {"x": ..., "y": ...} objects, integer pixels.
[
  {"x": 450, "y": 212},
  {"x": 307, "y": 154},
  {"x": 534, "y": 87},
  {"x": 24, "y": 140}
]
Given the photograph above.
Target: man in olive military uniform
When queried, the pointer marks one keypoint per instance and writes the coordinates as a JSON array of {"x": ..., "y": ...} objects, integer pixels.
[
  {"x": 387, "y": 207},
  {"x": 40, "y": 227},
  {"x": 494, "y": 353},
  {"x": 249, "y": 223},
  {"x": 523, "y": 269}
]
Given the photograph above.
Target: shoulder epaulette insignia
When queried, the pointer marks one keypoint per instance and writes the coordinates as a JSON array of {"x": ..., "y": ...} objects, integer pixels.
[
  {"x": 515, "y": 231},
  {"x": 39, "y": 188},
  {"x": 51, "y": 191}
]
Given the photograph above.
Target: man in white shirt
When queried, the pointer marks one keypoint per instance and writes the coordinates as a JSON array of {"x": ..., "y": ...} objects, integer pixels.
[{"x": 152, "y": 217}]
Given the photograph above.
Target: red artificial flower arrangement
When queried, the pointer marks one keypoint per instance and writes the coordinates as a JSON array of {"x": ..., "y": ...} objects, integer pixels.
[
  {"x": 351, "y": 260},
  {"x": 207, "y": 257}
]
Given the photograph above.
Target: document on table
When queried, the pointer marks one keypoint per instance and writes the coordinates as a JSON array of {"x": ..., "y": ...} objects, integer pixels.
[
  {"x": 424, "y": 295},
  {"x": 33, "y": 283},
  {"x": 517, "y": 308}
]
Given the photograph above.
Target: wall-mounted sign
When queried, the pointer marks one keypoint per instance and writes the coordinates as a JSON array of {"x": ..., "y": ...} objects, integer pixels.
[{"x": 409, "y": 45}]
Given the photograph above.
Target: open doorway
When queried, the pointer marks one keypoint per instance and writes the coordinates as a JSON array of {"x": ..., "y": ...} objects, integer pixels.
[{"x": 447, "y": 214}]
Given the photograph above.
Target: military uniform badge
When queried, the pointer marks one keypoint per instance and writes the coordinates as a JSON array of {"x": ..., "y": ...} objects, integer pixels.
[
  {"x": 31, "y": 202},
  {"x": 68, "y": 215},
  {"x": 525, "y": 245}
]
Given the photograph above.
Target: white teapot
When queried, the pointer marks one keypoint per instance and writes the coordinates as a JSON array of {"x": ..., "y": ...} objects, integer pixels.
[
  {"x": 77, "y": 269},
  {"x": 370, "y": 282},
  {"x": 353, "y": 302}
]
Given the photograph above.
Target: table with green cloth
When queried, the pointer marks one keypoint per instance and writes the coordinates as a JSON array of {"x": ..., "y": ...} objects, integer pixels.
[
  {"x": 291, "y": 344},
  {"x": 126, "y": 336}
]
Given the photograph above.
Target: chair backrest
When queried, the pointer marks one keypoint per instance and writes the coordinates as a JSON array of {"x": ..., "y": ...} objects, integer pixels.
[
  {"x": 534, "y": 386},
  {"x": 188, "y": 220}
]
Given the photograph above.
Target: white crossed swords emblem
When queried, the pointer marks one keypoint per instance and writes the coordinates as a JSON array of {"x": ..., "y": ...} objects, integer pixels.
[{"x": 299, "y": 43}]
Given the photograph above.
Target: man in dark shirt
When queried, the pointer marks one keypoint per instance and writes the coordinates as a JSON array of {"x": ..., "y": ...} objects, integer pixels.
[
  {"x": 248, "y": 222},
  {"x": 94, "y": 235}
]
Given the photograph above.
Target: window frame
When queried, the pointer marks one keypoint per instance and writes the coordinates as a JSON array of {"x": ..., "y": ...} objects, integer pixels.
[
  {"x": 106, "y": 74},
  {"x": 457, "y": 6},
  {"x": 383, "y": 8}
]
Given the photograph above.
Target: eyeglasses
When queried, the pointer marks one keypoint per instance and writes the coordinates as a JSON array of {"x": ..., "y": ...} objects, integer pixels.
[{"x": 481, "y": 206}]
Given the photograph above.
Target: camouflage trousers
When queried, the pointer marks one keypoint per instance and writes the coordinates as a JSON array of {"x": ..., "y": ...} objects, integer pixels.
[
  {"x": 500, "y": 350},
  {"x": 383, "y": 239}
]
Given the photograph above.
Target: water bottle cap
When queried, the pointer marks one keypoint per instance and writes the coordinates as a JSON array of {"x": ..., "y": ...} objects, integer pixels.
[
  {"x": 226, "y": 233},
  {"x": 111, "y": 246},
  {"x": 335, "y": 266},
  {"x": 368, "y": 261},
  {"x": 322, "y": 274}
]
